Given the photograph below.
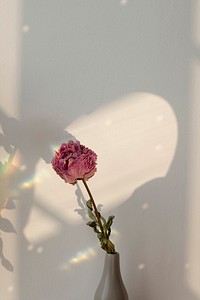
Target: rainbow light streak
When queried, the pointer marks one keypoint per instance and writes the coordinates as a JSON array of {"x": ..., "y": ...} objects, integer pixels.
[
  {"x": 86, "y": 254},
  {"x": 55, "y": 147},
  {"x": 36, "y": 179},
  {"x": 80, "y": 257},
  {"x": 7, "y": 171}
]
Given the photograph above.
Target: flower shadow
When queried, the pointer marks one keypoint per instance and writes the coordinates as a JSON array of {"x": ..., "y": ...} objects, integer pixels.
[{"x": 18, "y": 170}]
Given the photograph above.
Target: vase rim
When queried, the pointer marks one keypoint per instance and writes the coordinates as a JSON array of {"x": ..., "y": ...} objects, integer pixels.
[{"x": 116, "y": 253}]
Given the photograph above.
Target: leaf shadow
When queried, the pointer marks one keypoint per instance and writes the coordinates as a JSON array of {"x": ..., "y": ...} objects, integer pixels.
[
  {"x": 82, "y": 210},
  {"x": 6, "y": 225},
  {"x": 4, "y": 261}
]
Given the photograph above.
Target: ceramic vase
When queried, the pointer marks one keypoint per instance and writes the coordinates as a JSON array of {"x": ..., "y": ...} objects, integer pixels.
[{"x": 111, "y": 286}]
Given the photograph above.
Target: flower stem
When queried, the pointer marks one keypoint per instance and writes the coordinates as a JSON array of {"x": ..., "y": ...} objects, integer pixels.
[{"x": 94, "y": 205}]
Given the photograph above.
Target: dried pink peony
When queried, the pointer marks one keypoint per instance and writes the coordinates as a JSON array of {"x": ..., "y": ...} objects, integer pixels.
[{"x": 74, "y": 161}]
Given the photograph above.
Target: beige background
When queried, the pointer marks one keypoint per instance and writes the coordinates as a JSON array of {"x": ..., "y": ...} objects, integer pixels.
[{"x": 123, "y": 77}]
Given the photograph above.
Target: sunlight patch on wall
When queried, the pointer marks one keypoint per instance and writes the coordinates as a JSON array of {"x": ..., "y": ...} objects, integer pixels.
[
  {"x": 10, "y": 40},
  {"x": 193, "y": 190},
  {"x": 41, "y": 226},
  {"x": 193, "y": 241},
  {"x": 10, "y": 56},
  {"x": 135, "y": 139}
]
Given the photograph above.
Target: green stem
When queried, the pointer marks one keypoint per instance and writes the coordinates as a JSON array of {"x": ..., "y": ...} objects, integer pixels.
[{"x": 94, "y": 205}]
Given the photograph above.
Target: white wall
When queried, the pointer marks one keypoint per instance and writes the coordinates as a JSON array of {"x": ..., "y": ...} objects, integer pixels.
[{"x": 121, "y": 76}]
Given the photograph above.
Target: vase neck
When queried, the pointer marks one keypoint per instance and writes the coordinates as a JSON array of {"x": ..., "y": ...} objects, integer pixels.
[{"x": 112, "y": 263}]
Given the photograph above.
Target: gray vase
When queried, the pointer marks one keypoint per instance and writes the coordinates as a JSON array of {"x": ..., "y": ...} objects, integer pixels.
[{"x": 111, "y": 286}]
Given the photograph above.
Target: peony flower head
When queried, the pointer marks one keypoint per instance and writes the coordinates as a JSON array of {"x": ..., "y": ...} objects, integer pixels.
[{"x": 73, "y": 161}]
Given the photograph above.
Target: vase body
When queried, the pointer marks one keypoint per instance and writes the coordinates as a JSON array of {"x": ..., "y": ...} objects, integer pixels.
[{"x": 111, "y": 286}]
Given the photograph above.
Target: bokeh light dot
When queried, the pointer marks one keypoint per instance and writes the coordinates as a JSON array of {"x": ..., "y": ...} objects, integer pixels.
[
  {"x": 30, "y": 247},
  {"x": 187, "y": 266},
  {"x": 40, "y": 250},
  {"x": 26, "y": 28},
  {"x": 10, "y": 289},
  {"x": 123, "y": 2},
  {"x": 141, "y": 267},
  {"x": 145, "y": 206}
]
